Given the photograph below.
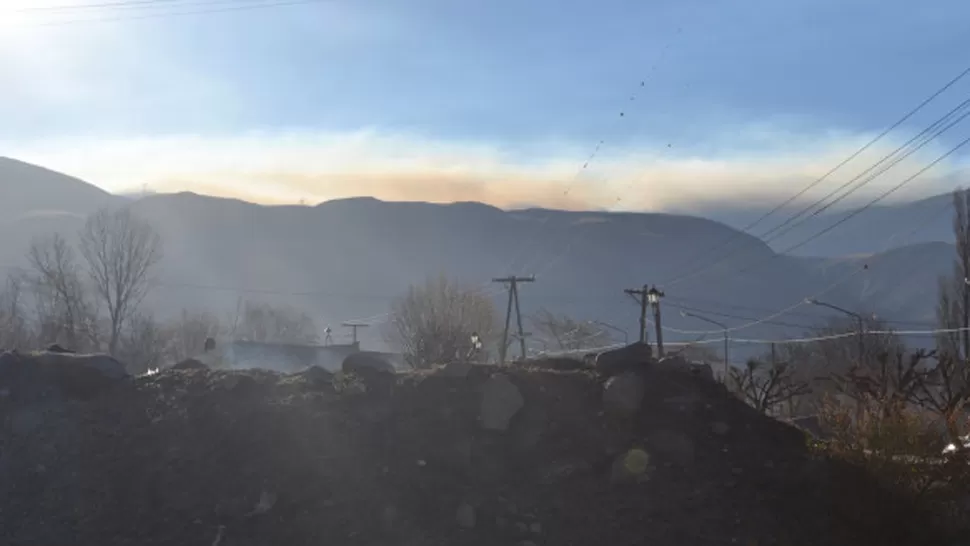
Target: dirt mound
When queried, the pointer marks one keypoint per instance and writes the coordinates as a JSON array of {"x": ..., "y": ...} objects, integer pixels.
[{"x": 257, "y": 458}]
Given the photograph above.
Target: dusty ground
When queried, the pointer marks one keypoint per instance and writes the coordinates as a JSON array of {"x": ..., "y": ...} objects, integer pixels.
[{"x": 199, "y": 457}]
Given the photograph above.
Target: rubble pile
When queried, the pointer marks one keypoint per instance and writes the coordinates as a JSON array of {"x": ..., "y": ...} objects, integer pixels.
[{"x": 465, "y": 454}]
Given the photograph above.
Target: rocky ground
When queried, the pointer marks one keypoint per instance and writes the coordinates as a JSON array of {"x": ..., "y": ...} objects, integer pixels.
[{"x": 461, "y": 455}]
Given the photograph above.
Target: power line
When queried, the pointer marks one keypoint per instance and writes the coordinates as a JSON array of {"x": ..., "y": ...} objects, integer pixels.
[
  {"x": 121, "y": 4},
  {"x": 882, "y": 196},
  {"x": 762, "y": 309},
  {"x": 163, "y": 14},
  {"x": 732, "y": 238},
  {"x": 895, "y": 162},
  {"x": 741, "y": 317},
  {"x": 582, "y": 169},
  {"x": 828, "y": 229},
  {"x": 568, "y": 189}
]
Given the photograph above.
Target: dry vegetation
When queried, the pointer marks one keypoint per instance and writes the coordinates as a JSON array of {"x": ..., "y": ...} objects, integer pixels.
[{"x": 86, "y": 293}]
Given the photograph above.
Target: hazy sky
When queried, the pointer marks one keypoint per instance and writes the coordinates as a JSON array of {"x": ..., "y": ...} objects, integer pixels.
[{"x": 495, "y": 100}]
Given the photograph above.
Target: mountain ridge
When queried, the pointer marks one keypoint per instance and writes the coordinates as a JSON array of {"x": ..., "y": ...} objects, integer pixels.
[{"x": 349, "y": 258}]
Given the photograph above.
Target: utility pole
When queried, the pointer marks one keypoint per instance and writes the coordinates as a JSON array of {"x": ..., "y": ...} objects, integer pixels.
[
  {"x": 640, "y": 294},
  {"x": 354, "y": 326},
  {"x": 653, "y": 296},
  {"x": 513, "y": 283}
]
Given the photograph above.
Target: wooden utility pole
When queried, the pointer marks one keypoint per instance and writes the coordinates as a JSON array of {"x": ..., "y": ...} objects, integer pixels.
[
  {"x": 653, "y": 296},
  {"x": 640, "y": 294},
  {"x": 354, "y": 326},
  {"x": 513, "y": 283}
]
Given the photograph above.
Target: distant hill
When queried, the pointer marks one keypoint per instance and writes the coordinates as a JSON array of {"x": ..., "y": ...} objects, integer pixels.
[
  {"x": 349, "y": 258},
  {"x": 28, "y": 189},
  {"x": 924, "y": 221}
]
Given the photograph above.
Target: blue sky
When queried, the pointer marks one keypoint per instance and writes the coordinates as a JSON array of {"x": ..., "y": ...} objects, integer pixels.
[{"x": 500, "y": 101}]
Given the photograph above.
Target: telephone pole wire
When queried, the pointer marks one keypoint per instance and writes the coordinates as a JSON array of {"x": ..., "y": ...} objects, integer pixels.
[{"x": 513, "y": 284}]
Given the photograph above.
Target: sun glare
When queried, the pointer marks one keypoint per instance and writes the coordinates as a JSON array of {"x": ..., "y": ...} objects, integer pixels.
[{"x": 24, "y": 17}]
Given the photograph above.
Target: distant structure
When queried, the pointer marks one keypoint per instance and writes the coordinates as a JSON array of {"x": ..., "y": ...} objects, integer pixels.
[{"x": 291, "y": 357}]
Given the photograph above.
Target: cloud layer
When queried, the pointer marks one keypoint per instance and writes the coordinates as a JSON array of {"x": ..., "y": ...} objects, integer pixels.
[{"x": 308, "y": 166}]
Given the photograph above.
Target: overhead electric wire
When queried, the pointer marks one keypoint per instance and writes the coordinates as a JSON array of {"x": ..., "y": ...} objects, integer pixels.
[
  {"x": 933, "y": 127},
  {"x": 739, "y": 317},
  {"x": 632, "y": 98},
  {"x": 582, "y": 169},
  {"x": 734, "y": 237},
  {"x": 119, "y": 4},
  {"x": 851, "y": 215},
  {"x": 786, "y": 341},
  {"x": 803, "y": 301},
  {"x": 882, "y": 196},
  {"x": 169, "y": 13}
]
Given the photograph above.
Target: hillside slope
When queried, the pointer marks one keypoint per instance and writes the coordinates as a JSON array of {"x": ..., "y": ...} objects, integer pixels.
[
  {"x": 348, "y": 259},
  {"x": 27, "y": 189}
]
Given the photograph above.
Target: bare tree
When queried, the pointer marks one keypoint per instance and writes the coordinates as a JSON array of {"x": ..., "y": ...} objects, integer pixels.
[
  {"x": 14, "y": 326},
  {"x": 564, "y": 333},
  {"x": 961, "y": 275},
  {"x": 279, "y": 324},
  {"x": 187, "y": 334},
  {"x": 142, "y": 343},
  {"x": 888, "y": 383},
  {"x": 120, "y": 251},
  {"x": 945, "y": 390},
  {"x": 434, "y": 323},
  {"x": 766, "y": 386},
  {"x": 64, "y": 312}
]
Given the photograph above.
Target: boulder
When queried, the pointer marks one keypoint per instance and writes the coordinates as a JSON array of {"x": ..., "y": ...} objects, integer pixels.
[
  {"x": 104, "y": 364},
  {"x": 454, "y": 369},
  {"x": 623, "y": 393},
  {"x": 632, "y": 357},
  {"x": 682, "y": 365},
  {"x": 675, "y": 446},
  {"x": 55, "y": 348},
  {"x": 190, "y": 364},
  {"x": 365, "y": 363},
  {"x": 74, "y": 375},
  {"x": 558, "y": 363},
  {"x": 501, "y": 400}
]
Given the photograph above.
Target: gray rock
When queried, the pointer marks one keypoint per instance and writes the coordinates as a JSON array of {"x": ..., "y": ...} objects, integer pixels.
[
  {"x": 25, "y": 422},
  {"x": 501, "y": 400},
  {"x": 624, "y": 393},
  {"x": 530, "y": 427},
  {"x": 106, "y": 365},
  {"x": 466, "y": 515},
  {"x": 720, "y": 428},
  {"x": 674, "y": 445},
  {"x": 455, "y": 369},
  {"x": 634, "y": 356},
  {"x": 682, "y": 365}
]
